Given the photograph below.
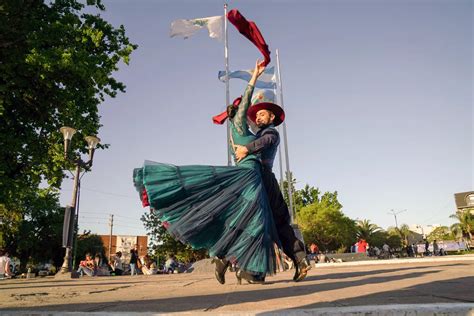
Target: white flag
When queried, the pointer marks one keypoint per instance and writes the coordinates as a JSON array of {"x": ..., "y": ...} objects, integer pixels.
[{"x": 187, "y": 28}]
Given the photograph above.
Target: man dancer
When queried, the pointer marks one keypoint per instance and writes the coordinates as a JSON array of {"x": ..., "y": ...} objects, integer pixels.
[{"x": 267, "y": 115}]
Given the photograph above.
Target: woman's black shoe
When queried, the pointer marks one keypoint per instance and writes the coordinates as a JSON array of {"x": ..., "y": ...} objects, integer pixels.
[
  {"x": 251, "y": 279},
  {"x": 221, "y": 268}
]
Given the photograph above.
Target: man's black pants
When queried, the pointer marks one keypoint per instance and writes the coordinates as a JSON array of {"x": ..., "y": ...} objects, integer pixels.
[{"x": 292, "y": 246}]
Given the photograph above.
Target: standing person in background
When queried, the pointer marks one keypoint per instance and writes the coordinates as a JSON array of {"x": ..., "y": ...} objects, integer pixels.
[
  {"x": 435, "y": 248},
  {"x": 134, "y": 260},
  {"x": 427, "y": 246}
]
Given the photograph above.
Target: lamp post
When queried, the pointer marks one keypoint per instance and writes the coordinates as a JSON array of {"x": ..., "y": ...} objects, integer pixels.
[
  {"x": 70, "y": 224},
  {"x": 392, "y": 212}
]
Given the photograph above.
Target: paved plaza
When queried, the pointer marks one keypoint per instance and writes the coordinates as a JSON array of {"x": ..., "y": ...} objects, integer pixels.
[{"x": 447, "y": 281}]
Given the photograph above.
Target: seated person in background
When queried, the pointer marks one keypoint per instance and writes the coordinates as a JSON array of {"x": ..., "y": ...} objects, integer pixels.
[
  {"x": 117, "y": 264},
  {"x": 170, "y": 264},
  {"x": 87, "y": 266},
  {"x": 5, "y": 271},
  {"x": 148, "y": 266}
]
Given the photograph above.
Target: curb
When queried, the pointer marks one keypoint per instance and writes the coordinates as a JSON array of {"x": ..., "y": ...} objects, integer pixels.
[
  {"x": 445, "y": 309},
  {"x": 395, "y": 261},
  {"x": 382, "y": 310}
]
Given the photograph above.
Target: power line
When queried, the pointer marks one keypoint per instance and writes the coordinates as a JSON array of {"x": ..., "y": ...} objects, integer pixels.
[{"x": 104, "y": 192}]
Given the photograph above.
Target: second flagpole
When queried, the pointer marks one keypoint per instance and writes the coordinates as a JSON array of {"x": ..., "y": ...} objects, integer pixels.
[
  {"x": 227, "y": 93},
  {"x": 287, "y": 159}
]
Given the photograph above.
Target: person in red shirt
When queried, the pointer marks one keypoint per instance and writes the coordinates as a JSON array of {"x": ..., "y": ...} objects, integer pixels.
[{"x": 362, "y": 246}]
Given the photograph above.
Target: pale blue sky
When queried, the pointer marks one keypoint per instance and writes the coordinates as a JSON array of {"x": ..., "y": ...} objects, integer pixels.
[{"x": 378, "y": 96}]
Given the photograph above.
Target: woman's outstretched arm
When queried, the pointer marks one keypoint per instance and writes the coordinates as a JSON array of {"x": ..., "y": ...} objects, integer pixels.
[{"x": 240, "y": 118}]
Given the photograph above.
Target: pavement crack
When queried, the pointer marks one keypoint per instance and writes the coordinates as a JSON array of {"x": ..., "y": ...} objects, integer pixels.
[
  {"x": 21, "y": 297},
  {"x": 110, "y": 290}
]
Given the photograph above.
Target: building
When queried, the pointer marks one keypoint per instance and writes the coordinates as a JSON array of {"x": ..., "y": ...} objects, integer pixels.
[
  {"x": 423, "y": 230},
  {"x": 464, "y": 200},
  {"x": 124, "y": 243}
]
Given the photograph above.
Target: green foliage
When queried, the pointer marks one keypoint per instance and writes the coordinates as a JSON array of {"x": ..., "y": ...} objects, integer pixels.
[
  {"x": 162, "y": 243},
  {"x": 404, "y": 234},
  {"x": 301, "y": 198},
  {"x": 56, "y": 68},
  {"x": 323, "y": 223},
  {"x": 37, "y": 233},
  {"x": 465, "y": 226},
  {"x": 440, "y": 233},
  {"x": 365, "y": 230},
  {"x": 394, "y": 241}
]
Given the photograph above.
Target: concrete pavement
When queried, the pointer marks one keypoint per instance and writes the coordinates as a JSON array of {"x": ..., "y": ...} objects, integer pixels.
[{"x": 443, "y": 285}]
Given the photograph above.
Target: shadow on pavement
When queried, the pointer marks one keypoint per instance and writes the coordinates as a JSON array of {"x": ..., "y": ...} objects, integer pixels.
[
  {"x": 213, "y": 301},
  {"x": 345, "y": 275},
  {"x": 458, "y": 290}
]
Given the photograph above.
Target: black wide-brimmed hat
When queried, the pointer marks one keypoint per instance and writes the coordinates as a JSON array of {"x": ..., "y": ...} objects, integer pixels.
[{"x": 264, "y": 100}]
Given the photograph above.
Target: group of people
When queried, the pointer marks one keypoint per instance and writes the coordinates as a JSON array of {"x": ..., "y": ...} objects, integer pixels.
[
  {"x": 236, "y": 212},
  {"x": 116, "y": 266}
]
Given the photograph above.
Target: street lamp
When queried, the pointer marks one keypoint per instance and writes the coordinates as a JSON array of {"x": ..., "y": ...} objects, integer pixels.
[
  {"x": 392, "y": 212},
  {"x": 70, "y": 223}
]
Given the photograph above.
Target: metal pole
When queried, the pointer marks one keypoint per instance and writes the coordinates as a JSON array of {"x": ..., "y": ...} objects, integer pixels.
[
  {"x": 279, "y": 158},
  {"x": 76, "y": 224},
  {"x": 227, "y": 93},
  {"x": 392, "y": 212},
  {"x": 110, "y": 236},
  {"x": 287, "y": 159},
  {"x": 66, "y": 267}
]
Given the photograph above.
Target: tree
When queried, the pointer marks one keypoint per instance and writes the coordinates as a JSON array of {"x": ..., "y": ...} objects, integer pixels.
[
  {"x": 404, "y": 233},
  {"x": 37, "y": 238},
  {"x": 324, "y": 223},
  {"x": 89, "y": 243},
  {"x": 440, "y": 233},
  {"x": 466, "y": 223},
  {"x": 366, "y": 230},
  {"x": 303, "y": 197},
  {"x": 56, "y": 65},
  {"x": 162, "y": 243}
]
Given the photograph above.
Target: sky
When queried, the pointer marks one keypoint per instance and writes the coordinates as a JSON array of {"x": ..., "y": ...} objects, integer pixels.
[{"x": 377, "y": 94}]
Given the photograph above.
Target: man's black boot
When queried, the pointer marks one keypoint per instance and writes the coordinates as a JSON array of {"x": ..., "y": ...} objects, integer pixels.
[
  {"x": 221, "y": 268},
  {"x": 302, "y": 268}
]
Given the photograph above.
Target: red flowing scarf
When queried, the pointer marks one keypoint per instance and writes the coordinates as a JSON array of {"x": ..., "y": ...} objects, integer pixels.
[{"x": 250, "y": 30}]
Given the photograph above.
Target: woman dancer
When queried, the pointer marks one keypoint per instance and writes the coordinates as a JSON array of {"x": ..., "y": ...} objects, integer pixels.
[{"x": 223, "y": 209}]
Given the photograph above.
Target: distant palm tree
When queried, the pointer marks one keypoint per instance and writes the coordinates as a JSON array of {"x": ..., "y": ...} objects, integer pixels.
[
  {"x": 365, "y": 229},
  {"x": 466, "y": 223}
]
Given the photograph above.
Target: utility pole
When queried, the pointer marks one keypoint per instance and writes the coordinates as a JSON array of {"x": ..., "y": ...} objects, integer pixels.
[
  {"x": 111, "y": 223},
  {"x": 392, "y": 212}
]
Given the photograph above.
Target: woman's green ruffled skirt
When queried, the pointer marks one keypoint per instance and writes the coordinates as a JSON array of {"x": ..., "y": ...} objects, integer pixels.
[{"x": 223, "y": 209}]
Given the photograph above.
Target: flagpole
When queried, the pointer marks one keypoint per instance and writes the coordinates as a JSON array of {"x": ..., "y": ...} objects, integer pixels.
[
  {"x": 287, "y": 159},
  {"x": 279, "y": 156},
  {"x": 227, "y": 93}
]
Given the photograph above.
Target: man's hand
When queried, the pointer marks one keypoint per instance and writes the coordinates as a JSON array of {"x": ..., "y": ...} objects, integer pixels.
[{"x": 240, "y": 152}]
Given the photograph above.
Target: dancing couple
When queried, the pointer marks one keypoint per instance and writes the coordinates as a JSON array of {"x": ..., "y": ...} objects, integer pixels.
[{"x": 236, "y": 212}]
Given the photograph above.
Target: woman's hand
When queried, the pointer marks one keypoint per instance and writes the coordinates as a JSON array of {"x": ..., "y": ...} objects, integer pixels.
[
  {"x": 257, "y": 71},
  {"x": 259, "y": 67}
]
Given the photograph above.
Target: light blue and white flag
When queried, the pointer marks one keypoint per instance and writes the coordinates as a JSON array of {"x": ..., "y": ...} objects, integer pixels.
[
  {"x": 187, "y": 28},
  {"x": 267, "y": 80}
]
